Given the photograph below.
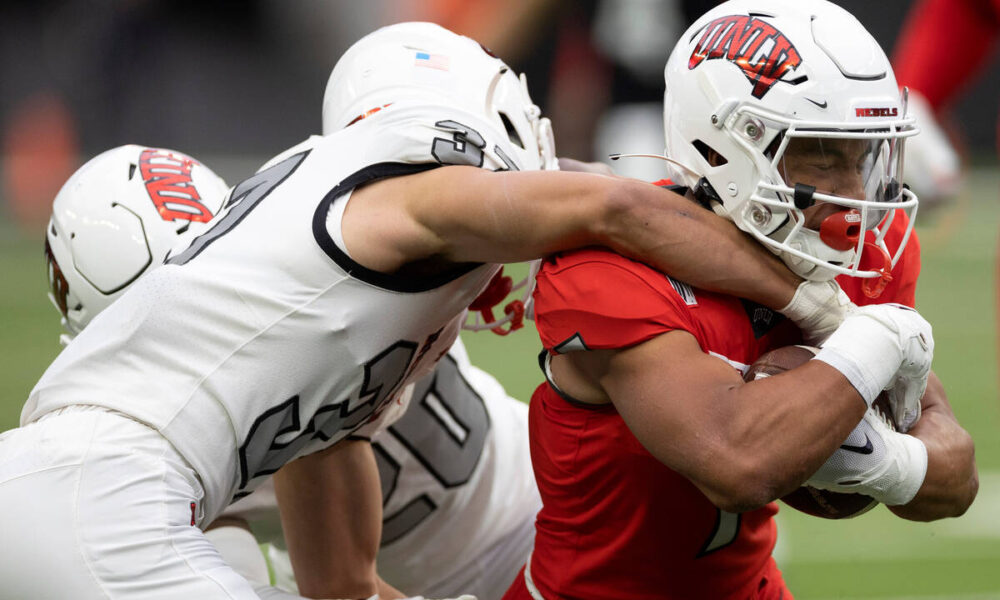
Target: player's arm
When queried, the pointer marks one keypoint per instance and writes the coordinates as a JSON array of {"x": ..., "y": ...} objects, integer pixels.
[
  {"x": 746, "y": 444},
  {"x": 465, "y": 214},
  {"x": 741, "y": 444},
  {"x": 952, "y": 481},
  {"x": 331, "y": 514}
]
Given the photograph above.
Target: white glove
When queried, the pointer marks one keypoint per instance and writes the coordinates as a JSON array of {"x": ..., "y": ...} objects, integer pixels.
[
  {"x": 884, "y": 346},
  {"x": 818, "y": 308},
  {"x": 876, "y": 461},
  {"x": 910, "y": 382}
]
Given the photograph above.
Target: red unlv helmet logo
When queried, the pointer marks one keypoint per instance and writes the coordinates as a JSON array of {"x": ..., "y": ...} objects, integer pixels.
[
  {"x": 761, "y": 51},
  {"x": 167, "y": 177}
]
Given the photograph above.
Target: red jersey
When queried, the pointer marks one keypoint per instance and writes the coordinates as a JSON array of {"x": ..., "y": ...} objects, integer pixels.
[{"x": 615, "y": 522}]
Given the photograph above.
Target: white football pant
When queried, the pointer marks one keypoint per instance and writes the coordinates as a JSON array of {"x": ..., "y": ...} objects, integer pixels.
[{"x": 98, "y": 506}]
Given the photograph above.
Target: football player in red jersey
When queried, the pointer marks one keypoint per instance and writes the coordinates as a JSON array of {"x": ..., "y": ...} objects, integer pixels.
[{"x": 656, "y": 464}]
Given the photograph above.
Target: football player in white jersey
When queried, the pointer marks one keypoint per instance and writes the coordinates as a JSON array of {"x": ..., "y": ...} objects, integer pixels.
[
  {"x": 441, "y": 465},
  {"x": 329, "y": 282}
]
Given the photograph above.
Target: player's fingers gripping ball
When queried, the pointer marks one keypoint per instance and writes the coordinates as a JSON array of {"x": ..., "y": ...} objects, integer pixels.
[
  {"x": 875, "y": 460},
  {"x": 884, "y": 347},
  {"x": 873, "y": 464}
]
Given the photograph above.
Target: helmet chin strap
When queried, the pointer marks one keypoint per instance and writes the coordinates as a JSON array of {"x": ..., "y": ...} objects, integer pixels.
[{"x": 812, "y": 243}]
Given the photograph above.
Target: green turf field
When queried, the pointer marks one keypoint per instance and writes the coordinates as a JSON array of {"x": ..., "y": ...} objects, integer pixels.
[{"x": 874, "y": 556}]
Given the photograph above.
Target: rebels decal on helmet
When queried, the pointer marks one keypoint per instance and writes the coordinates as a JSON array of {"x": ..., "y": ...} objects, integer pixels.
[
  {"x": 876, "y": 112},
  {"x": 167, "y": 176},
  {"x": 758, "y": 48}
]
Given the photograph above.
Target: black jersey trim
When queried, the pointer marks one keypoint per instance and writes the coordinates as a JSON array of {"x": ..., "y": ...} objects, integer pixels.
[
  {"x": 542, "y": 357},
  {"x": 705, "y": 551},
  {"x": 395, "y": 283}
]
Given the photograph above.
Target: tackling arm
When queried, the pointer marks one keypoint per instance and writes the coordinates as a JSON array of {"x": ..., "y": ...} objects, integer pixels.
[
  {"x": 465, "y": 214},
  {"x": 952, "y": 481},
  {"x": 331, "y": 513},
  {"x": 741, "y": 444}
]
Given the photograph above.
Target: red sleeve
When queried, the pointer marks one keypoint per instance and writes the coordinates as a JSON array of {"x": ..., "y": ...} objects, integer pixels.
[
  {"x": 602, "y": 300},
  {"x": 903, "y": 287},
  {"x": 943, "y": 44}
]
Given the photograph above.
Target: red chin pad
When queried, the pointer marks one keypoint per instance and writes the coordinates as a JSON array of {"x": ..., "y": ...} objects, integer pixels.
[
  {"x": 875, "y": 258},
  {"x": 840, "y": 230}
]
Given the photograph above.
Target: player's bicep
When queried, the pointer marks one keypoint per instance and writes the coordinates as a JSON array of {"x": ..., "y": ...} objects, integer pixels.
[
  {"x": 483, "y": 216},
  {"x": 666, "y": 390},
  {"x": 467, "y": 214}
]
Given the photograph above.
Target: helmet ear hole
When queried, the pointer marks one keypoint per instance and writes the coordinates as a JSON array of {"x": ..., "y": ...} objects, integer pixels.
[
  {"x": 511, "y": 131},
  {"x": 711, "y": 156},
  {"x": 57, "y": 282}
]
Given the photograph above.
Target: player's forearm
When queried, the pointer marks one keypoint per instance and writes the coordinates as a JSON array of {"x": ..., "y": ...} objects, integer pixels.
[
  {"x": 743, "y": 445},
  {"x": 952, "y": 480},
  {"x": 511, "y": 217},
  {"x": 783, "y": 428},
  {"x": 674, "y": 235},
  {"x": 330, "y": 504}
]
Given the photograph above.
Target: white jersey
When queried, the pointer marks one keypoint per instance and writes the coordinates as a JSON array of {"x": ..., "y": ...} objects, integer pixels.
[
  {"x": 263, "y": 341},
  {"x": 458, "y": 492}
]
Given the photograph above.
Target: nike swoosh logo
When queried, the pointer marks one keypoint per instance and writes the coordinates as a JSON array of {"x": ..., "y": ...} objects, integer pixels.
[
  {"x": 821, "y": 105},
  {"x": 866, "y": 449}
]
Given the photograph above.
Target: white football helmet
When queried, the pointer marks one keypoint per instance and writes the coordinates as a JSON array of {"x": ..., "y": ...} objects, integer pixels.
[
  {"x": 424, "y": 61},
  {"x": 116, "y": 218},
  {"x": 751, "y": 76}
]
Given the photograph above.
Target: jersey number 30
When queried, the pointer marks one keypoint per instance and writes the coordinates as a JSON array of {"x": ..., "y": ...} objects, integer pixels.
[{"x": 445, "y": 430}]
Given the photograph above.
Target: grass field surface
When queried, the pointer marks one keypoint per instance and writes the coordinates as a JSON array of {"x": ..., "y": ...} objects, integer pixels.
[{"x": 876, "y": 556}]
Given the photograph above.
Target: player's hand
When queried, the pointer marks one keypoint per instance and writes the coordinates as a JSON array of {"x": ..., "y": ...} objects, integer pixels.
[
  {"x": 876, "y": 461},
  {"x": 884, "y": 347},
  {"x": 917, "y": 345},
  {"x": 818, "y": 308}
]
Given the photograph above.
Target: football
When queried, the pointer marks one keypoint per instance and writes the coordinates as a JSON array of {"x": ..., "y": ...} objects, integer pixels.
[{"x": 813, "y": 501}]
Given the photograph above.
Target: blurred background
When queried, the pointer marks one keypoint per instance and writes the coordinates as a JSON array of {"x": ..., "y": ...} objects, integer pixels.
[{"x": 233, "y": 83}]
